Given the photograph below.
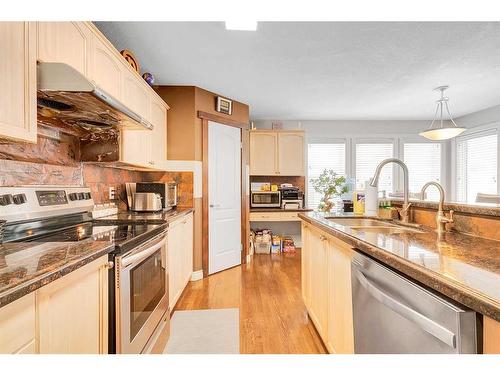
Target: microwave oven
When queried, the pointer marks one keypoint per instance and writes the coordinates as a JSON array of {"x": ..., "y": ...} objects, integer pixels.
[{"x": 265, "y": 199}]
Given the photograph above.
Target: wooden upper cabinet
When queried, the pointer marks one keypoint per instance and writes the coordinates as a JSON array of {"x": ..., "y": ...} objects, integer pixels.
[
  {"x": 159, "y": 136},
  {"x": 18, "y": 81},
  {"x": 106, "y": 69},
  {"x": 291, "y": 154},
  {"x": 135, "y": 94},
  {"x": 65, "y": 42},
  {"x": 135, "y": 148},
  {"x": 277, "y": 153},
  {"x": 263, "y": 153}
]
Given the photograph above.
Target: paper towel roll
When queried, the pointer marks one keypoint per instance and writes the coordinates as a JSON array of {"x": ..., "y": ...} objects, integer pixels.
[{"x": 371, "y": 200}]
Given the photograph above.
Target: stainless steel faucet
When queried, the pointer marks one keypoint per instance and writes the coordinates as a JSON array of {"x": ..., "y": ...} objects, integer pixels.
[
  {"x": 441, "y": 219},
  {"x": 404, "y": 212}
]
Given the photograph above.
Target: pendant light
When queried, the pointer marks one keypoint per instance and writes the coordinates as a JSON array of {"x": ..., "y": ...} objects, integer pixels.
[{"x": 438, "y": 130}]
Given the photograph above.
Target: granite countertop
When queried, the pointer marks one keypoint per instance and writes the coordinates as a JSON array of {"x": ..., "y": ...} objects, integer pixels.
[
  {"x": 464, "y": 268},
  {"x": 279, "y": 210},
  {"x": 27, "y": 266},
  {"x": 147, "y": 217}
]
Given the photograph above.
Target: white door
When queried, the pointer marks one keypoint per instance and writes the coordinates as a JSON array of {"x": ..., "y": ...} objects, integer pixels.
[{"x": 224, "y": 197}]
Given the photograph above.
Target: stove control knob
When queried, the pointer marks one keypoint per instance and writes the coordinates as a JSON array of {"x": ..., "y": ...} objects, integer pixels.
[
  {"x": 81, "y": 196},
  {"x": 6, "y": 199},
  {"x": 19, "y": 198},
  {"x": 73, "y": 196},
  {"x": 87, "y": 196}
]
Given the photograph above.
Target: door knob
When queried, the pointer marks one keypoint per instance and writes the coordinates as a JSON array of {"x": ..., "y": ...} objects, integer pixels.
[{"x": 214, "y": 205}]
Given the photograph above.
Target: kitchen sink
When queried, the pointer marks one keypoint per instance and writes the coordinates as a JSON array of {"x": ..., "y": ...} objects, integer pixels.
[
  {"x": 360, "y": 222},
  {"x": 385, "y": 230},
  {"x": 372, "y": 225}
]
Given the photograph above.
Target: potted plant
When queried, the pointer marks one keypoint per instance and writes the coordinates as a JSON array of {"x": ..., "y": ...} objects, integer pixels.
[{"x": 330, "y": 185}]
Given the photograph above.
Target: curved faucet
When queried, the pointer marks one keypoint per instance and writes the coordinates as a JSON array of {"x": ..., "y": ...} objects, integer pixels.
[
  {"x": 441, "y": 219},
  {"x": 404, "y": 212}
]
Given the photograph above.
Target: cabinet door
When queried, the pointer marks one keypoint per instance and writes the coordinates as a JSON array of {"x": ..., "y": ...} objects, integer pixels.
[
  {"x": 174, "y": 262},
  {"x": 136, "y": 147},
  {"x": 263, "y": 153},
  {"x": 18, "y": 81},
  {"x": 159, "y": 133},
  {"x": 187, "y": 254},
  {"x": 135, "y": 94},
  {"x": 106, "y": 69},
  {"x": 340, "y": 338},
  {"x": 319, "y": 287},
  {"x": 291, "y": 154},
  {"x": 66, "y": 42},
  {"x": 17, "y": 326},
  {"x": 72, "y": 311},
  {"x": 305, "y": 265}
]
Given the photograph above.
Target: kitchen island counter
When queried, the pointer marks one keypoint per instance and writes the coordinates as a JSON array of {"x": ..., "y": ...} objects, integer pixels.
[{"x": 462, "y": 267}]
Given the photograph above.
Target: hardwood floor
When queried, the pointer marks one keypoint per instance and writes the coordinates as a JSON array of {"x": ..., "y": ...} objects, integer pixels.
[{"x": 273, "y": 318}]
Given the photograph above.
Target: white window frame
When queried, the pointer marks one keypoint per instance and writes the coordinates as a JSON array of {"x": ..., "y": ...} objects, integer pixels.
[
  {"x": 375, "y": 140},
  {"x": 444, "y": 178},
  {"x": 476, "y": 132},
  {"x": 324, "y": 140}
]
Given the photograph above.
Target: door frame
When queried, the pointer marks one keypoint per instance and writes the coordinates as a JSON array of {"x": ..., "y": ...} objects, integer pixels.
[{"x": 205, "y": 118}]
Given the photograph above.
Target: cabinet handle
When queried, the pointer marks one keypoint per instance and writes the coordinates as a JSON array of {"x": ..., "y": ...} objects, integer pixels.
[{"x": 109, "y": 265}]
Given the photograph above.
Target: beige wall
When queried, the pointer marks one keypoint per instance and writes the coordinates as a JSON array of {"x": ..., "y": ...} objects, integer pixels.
[{"x": 185, "y": 138}]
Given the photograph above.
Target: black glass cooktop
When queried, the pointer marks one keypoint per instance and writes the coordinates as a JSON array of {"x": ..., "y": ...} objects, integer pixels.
[{"x": 123, "y": 235}]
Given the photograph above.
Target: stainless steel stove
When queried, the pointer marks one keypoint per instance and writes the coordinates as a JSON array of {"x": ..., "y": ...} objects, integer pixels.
[{"x": 138, "y": 305}]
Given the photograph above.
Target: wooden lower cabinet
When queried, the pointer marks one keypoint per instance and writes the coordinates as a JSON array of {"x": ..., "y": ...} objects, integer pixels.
[
  {"x": 69, "y": 315},
  {"x": 180, "y": 257},
  {"x": 340, "y": 337},
  {"x": 491, "y": 336},
  {"x": 326, "y": 288},
  {"x": 17, "y": 326}
]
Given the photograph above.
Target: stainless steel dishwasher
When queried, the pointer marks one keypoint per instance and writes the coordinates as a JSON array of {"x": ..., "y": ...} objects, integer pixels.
[{"x": 393, "y": 314}]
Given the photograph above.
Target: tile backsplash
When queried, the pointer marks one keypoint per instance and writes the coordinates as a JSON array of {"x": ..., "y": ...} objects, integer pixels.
[{"x": 56, "y": 162}]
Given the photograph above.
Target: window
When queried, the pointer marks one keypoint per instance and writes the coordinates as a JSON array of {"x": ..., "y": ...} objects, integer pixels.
[
  {"x": 424, "y": 165},
  {"x": 321, "y": 156},
  {"x": 368, "y": 156},
  {"x": 476, "y": 166}
]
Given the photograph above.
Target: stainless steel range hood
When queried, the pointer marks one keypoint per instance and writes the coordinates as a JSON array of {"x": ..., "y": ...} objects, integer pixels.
[{"x": 65, "y": 96}]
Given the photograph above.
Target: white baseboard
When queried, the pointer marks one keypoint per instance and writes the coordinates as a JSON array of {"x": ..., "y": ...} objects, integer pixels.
[{"x": 197, "y": 275}]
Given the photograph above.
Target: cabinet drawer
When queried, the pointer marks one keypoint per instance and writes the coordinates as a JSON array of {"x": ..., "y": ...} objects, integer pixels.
[{"x": 274, "y": 216}]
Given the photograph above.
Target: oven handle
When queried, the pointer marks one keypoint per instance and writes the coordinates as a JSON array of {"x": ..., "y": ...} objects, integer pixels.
[{"x": 136, "y": 258}]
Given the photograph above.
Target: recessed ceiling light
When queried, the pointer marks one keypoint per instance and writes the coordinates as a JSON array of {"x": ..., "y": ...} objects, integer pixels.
[{"x": 242, "y": 25}]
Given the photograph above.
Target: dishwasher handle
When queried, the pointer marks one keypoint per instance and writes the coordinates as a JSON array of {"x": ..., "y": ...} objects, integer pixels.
[{"x": 428, "y": 325}]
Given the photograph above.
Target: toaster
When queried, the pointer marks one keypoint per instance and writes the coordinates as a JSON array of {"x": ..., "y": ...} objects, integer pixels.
[
  {"x": 167, "y": 192},
  {"x": 147, "y": 202}
]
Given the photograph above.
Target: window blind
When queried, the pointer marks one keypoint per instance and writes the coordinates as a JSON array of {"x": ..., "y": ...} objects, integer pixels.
[
  {"x": 368, "y": 156},
  {"x": 323, "y": 156},
  {"x": 424, "y": 165},
  {"x": 476, "y": 166}
]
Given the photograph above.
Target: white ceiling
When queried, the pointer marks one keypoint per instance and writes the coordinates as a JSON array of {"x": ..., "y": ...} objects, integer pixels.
[{"x": 325, "y": 70}]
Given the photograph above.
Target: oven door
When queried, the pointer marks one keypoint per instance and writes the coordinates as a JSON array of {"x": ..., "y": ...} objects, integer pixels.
[{"x": 141, "y": 294}]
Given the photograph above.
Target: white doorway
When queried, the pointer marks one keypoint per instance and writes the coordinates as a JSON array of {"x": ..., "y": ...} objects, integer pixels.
[{"x": 224, "y": 197}]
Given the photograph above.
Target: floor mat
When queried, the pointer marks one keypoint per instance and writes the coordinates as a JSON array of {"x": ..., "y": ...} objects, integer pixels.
[{"x": 215, "y": 331}]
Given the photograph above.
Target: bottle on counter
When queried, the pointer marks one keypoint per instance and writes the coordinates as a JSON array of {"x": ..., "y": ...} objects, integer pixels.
[
  {"x": 358, "y": 201},
  {"x": 371, "y": 199}
]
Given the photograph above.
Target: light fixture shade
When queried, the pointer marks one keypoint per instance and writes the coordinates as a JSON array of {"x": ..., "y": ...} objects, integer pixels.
[
  {"x": 442, "y": 133},
  {"x": 241, "y": 25}
]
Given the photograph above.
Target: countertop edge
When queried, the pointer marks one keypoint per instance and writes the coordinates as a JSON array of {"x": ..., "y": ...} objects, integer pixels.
[
  {"x": 456, "y": 291},
  {"x": 32, "y": 285}
]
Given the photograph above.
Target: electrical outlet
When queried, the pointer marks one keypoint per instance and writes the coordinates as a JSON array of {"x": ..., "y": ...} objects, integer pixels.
[{"x": 112, "y": 192}]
